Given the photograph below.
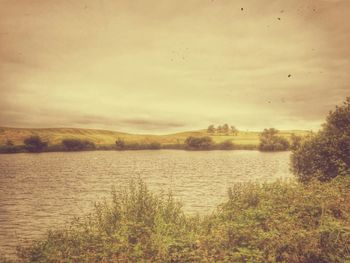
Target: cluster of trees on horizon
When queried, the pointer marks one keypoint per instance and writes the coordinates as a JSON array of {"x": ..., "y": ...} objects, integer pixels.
[{"x": 222, "y": 129}]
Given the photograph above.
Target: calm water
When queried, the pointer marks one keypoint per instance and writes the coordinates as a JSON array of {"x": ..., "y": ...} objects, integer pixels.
[{"x": 42, "y": 191}]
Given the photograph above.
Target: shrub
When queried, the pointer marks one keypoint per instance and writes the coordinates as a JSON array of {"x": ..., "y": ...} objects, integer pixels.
[
  {"x": 281, "y": 222},
  {"x": 326, "y": 154},
  {"x": 270, "y": 141},
  {"x": 211, "y": 129},
  {"x": 199, "y": 143},
  {"x": 77, "y": 145},
  {"x": 137, "y": 226},
  {"x": 34, "y": 144}
]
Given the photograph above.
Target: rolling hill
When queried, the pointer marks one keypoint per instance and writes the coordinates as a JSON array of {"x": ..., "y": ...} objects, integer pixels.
[{"x": 105, "y": 137}]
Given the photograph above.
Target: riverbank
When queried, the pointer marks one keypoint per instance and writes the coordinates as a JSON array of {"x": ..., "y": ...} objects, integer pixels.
[
  {"x": 280, "y": 221},
  {"x": 131, "y": 147},
  {"x": 11, "y": 139}
]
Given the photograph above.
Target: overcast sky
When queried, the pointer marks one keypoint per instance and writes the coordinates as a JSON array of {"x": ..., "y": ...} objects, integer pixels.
[{"x": 165, "y": 66}]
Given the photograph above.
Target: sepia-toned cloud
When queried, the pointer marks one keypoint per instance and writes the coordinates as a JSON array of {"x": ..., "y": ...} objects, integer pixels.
[{"x": 165, "y": 66}]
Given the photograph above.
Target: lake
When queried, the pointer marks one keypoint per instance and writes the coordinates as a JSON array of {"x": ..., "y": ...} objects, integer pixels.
[{"x": 46, "y": 190}]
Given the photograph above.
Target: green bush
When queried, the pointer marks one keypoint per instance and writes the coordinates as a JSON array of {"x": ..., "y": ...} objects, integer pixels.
[
  {"x": 199, "y": 143},
  {"x": 326, "y": 154},
  {"x": 34, "y": 144},
  {"x": 136, "y": 226},
  {"x": 282, "y": 222},
  {"x": 272, "y": 222},
  {"x": 270, "y": 141}
]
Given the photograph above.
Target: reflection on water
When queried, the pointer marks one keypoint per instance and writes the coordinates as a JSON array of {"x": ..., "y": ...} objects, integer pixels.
[{"x": 41, "y": 191}]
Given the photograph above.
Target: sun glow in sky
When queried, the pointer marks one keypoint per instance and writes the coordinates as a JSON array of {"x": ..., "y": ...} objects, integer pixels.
[{"x": 165, "y": 66}]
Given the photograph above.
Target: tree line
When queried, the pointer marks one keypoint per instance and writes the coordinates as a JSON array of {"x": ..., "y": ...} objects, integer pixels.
[
  {"x": 270, "y": 141},
  {"x": 35, "y": 144}
]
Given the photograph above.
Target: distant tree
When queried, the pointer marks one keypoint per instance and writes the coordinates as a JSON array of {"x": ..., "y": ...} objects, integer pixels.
[
  {"x": 219, "y": 129},
  {"x": 234, "y": 131},
  {"x": 120, "y": 144},
  {"x": 270, "y": 141},
  {"x": 199, "y": 143},
  {"x": 34, "y": 144},
  {"x": 326, "y": 154},
  {"x": 211, "y": 129},
  {"x": 225, "y": 129},
  {"x": 77, "y": 145},
  {"x": 269, "y": 132}
]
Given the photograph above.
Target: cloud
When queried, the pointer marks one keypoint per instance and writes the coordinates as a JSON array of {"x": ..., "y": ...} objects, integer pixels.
[{"x": 167, "y": 66}]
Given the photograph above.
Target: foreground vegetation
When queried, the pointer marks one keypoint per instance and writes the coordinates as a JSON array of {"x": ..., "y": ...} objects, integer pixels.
[{"x": 275, "y": 222}]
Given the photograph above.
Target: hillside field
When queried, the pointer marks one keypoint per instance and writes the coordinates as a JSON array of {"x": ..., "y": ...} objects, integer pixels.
[{"x": 54, "y": 136}]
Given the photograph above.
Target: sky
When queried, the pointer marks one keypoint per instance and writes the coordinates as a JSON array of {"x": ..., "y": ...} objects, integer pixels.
[{"x": 165, "y": 66}]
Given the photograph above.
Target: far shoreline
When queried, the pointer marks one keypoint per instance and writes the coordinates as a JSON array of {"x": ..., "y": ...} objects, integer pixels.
[
  {"x": 17, "y": 140},
  {"x": 253, "y": 148}
]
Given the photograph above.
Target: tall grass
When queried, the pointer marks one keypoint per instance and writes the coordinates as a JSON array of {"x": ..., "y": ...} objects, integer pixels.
[{"x": 274, "y": 222}]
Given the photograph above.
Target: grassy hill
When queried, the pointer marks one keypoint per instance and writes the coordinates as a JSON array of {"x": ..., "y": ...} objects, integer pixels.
[{"x": 104, "y": 137}]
